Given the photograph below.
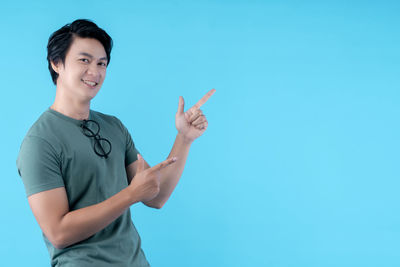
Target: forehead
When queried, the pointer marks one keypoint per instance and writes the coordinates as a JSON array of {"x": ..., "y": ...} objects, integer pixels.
[{"x": 87, "y": 45}]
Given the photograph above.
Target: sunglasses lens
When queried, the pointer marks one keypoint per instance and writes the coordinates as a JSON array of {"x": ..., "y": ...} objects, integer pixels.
[
  {"x": 102, "y": 147},
  {"x": 91, "y": 128}
]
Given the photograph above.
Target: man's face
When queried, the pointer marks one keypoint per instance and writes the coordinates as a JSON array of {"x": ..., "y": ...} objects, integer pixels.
[{"x": 84, "y": 70}]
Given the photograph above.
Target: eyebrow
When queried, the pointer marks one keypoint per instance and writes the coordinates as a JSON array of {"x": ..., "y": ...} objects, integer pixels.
[{"x": 89, "y": 55}]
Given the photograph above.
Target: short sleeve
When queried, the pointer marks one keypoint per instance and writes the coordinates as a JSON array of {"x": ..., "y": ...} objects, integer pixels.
[
  {"x": 39, "y": 166},
  {"x": 130, "y": 150}
]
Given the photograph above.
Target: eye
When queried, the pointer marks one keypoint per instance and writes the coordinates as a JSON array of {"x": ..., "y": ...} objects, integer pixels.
[
  {"x": 103, "y": 64},
  {"x": 84, "y": 60}
]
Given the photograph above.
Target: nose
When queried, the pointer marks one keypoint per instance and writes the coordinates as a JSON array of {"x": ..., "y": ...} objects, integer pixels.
[{"x": 92, "y": 70}]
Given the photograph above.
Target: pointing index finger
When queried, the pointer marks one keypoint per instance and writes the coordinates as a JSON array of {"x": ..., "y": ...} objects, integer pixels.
[
  {"x": 204, "y": 99},
  {"x": 163, "y": 164}
]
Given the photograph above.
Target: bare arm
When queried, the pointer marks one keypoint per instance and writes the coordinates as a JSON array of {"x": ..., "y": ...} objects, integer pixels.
[
  {"x": 64, "y": 228},
  {"x": 190, "y": 125},
  {"x": 169, "y": 176}
]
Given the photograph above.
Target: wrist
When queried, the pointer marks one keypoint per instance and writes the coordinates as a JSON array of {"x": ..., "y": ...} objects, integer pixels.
[
  {"x": 181, "y": 137},
  {"x": 132, "y": 195}
]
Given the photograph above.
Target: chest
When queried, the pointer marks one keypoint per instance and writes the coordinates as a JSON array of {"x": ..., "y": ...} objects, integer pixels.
[{"x": 88, "y": 177}]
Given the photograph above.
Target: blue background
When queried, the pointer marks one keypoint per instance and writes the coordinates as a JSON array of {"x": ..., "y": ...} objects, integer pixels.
[{"x": 300, "y": 163}]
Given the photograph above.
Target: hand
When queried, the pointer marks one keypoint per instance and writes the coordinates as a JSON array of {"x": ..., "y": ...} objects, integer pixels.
[
  {"x": 192, "y": 123},
  {"x": 146, "y": 183}
]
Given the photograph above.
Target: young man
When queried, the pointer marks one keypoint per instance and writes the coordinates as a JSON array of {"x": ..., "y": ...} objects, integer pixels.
[{"x": 81, "y": 169}]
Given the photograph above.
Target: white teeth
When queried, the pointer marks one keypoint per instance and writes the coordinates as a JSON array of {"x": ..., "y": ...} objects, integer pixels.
[{"x": 90, "y": 83}]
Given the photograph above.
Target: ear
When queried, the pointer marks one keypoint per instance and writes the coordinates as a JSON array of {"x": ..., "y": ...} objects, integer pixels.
[{"x": 55, "y": 66}]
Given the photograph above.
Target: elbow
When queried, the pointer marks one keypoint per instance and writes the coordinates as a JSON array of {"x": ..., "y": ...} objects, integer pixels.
[
  {"x": 57, "y": 242},
  {"x": 56, "y": 234},
  {"x": 155, "y": 205},
  {"x": 158, "y": 206}
]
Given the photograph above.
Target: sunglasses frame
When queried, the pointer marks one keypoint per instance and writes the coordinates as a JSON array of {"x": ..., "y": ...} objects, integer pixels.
[{"x": 96, "y": 137}]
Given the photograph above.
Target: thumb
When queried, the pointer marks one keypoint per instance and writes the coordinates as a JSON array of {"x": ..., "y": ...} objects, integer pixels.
[
  {"x": 140, "y": 167},
  {"x": 181, "y": 105}
]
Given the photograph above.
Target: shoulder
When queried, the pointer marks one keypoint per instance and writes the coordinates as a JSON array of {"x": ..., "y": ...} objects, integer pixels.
[
  {"x": 46, "y": 133},
  {"x": 107, "y": 118},
  {"x": 41, "y": 129},
  {"x": 40, "y": 124},
  {"x": 40, "y": 135},
  {"x": 103, "y": 116}
]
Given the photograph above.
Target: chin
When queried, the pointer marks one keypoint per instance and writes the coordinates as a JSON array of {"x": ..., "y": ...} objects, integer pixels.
[
  {"x": 89, "y": 94},
  {"x": 87, "y": 97},
  {"x": 90, "y": 97}
]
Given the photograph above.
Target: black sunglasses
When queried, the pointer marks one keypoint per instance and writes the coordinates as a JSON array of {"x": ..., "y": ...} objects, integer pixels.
[{"x": 102, "y": 146}]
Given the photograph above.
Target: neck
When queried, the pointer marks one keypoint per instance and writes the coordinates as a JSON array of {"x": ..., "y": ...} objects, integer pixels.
[{"x": 71, "y": 107}]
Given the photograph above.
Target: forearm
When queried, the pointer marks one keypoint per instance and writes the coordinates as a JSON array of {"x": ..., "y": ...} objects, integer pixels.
[
  {"x": 80, "y": 224},
  {"x": 171, "y": 175}
]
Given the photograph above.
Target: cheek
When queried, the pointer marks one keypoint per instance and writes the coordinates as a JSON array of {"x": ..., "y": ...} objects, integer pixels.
[
  {"x": 69, "y": 78},
  {"x": 75, "y": 74},
  {"x": 103, "y": 75}
]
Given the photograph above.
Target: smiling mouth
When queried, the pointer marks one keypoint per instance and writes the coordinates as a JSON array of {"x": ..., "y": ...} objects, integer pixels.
[{"x": 90, "y": 83}]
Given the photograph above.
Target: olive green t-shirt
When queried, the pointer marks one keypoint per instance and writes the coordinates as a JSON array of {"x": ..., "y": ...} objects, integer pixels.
[{"x": 57, "y": 153}]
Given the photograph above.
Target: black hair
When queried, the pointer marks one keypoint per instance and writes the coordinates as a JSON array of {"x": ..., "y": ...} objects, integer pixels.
[{"x": 60, "y": 41}]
